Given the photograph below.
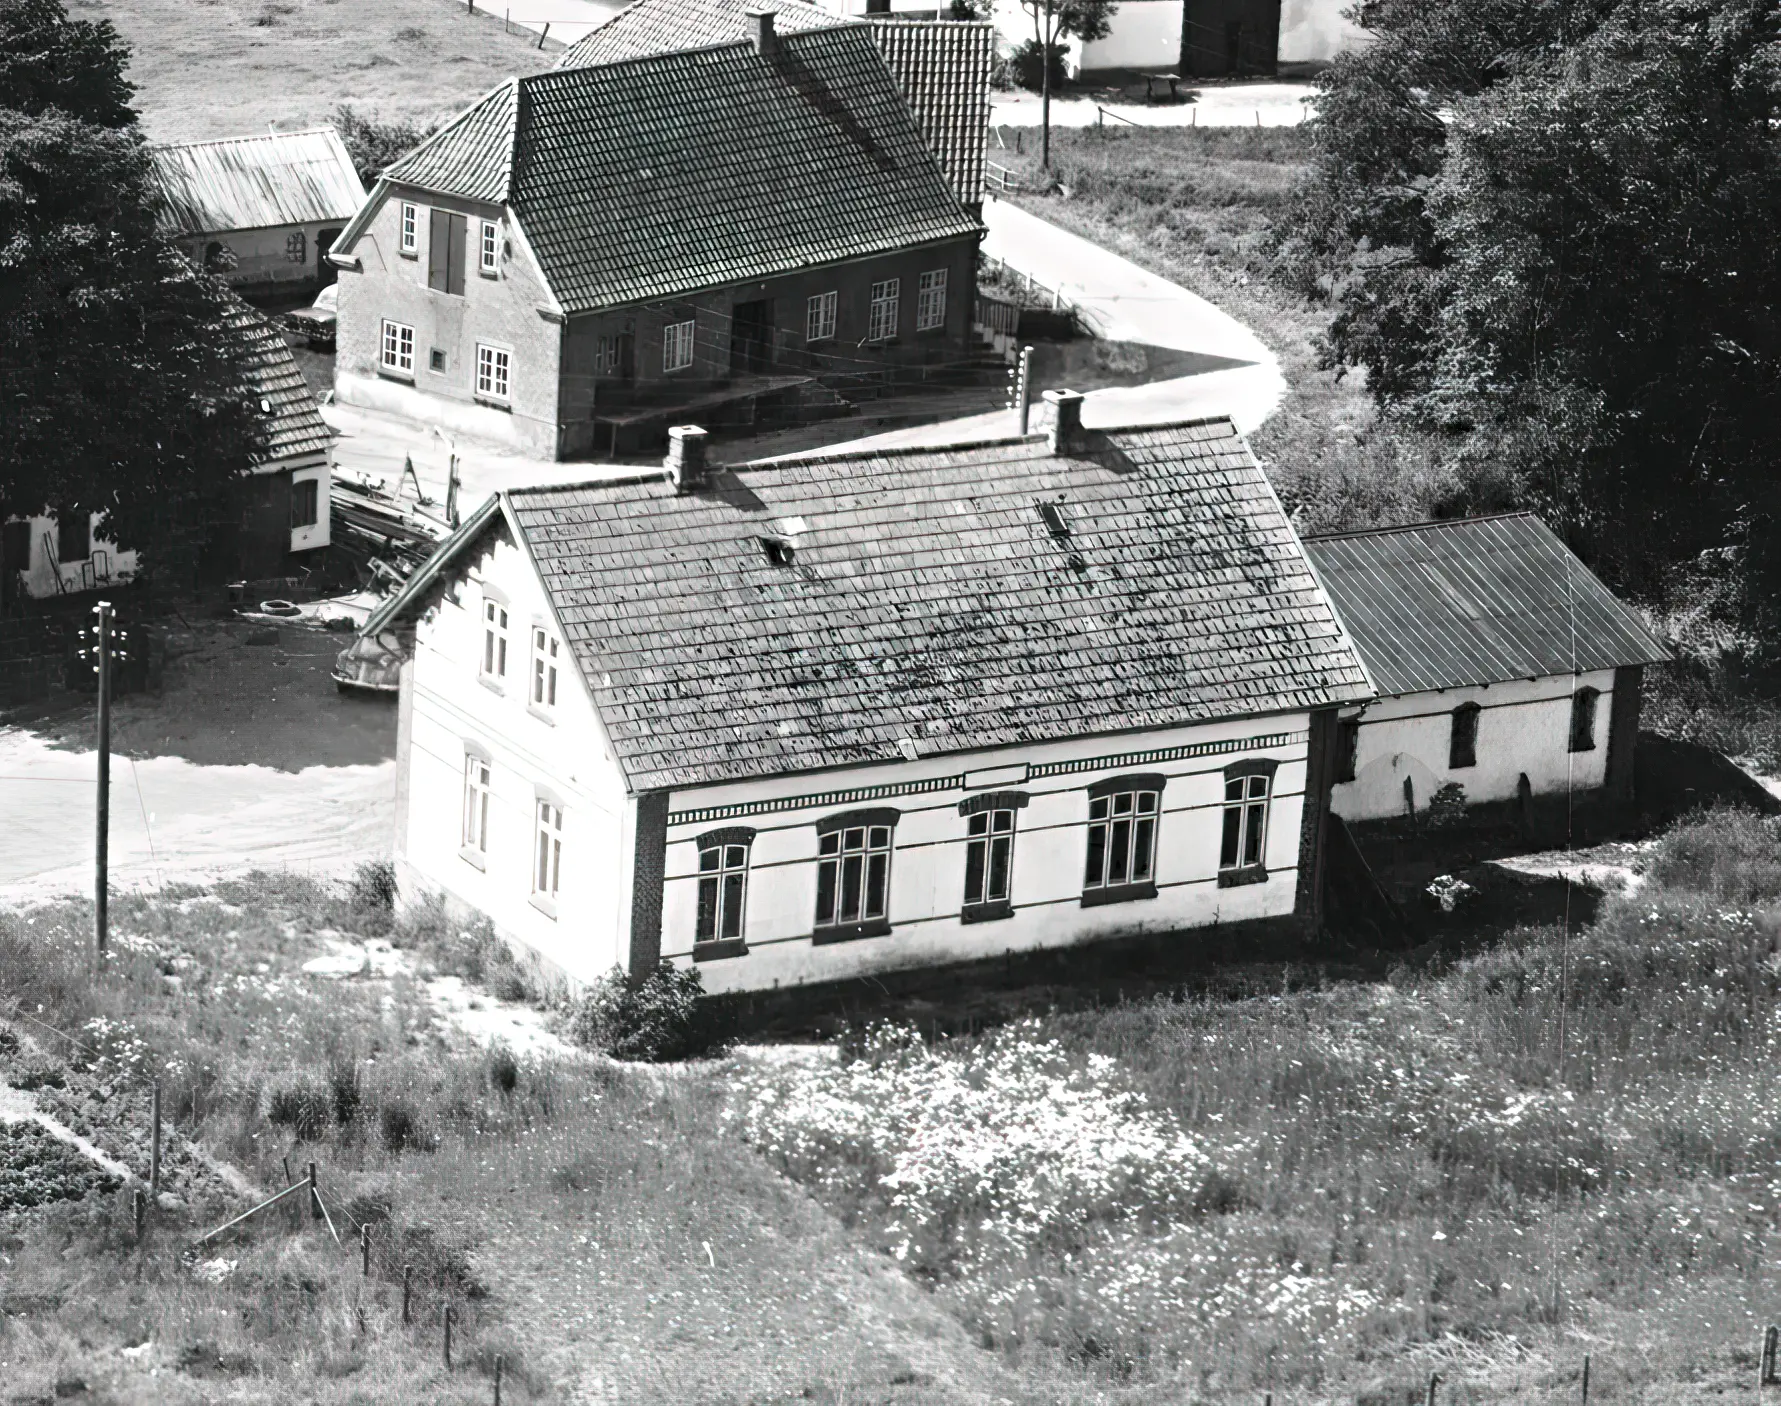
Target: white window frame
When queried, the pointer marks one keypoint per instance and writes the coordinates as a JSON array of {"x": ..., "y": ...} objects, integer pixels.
[
  {"x": 547, "y": 850},
  {"x": 494, "y": 371},
  {"x": 819, "y": 316},
  {"x": 606, "y": 355},
  {"x": 491, "y": 663},
  {"x": 1243, "y": 834},
  {"x": 396, "y": 350},
  {"x": 478, "y": 794},
  {"x": 489, "y": 263},
  {"x": 1122, "y": 839},
  {"x": 989, "y": 857},
  {"x": 930, "y": 301},
  {"x": 864, "y": 850},
  {"x": 881, "y": 326},
  {"x": 541, "y": 688},
  {"x": 677, "y": 344},
  {"x": 722, "y": 907},
  {"x": 409, "y": 217}
]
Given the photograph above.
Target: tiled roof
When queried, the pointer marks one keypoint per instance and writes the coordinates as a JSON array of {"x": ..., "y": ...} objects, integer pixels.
[
  {"x": 281, "y": 178},
  {"x": 294, "y": 421},
  {"x": 699, "y": 169},
  {"x": 662, "y": 26},
  {"x": 928, "y": 599},
  {"x": 1475, "y": 601},
  {"x": 941, "y": 67}
]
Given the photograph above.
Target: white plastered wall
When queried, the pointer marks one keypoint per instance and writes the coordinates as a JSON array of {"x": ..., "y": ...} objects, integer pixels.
[
  {"x": 1313, "y": 32},
  {"x": 1141, "y": 34},
  {"x": 1523, "y": 726},
  {"x": 927, "y": 867},
  {"x": 104, "y": 564}
]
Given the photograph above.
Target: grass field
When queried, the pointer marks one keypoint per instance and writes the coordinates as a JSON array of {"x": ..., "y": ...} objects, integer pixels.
[
  {"x": 1196, "y": 205},
  {"x": 218, "y": 68}
]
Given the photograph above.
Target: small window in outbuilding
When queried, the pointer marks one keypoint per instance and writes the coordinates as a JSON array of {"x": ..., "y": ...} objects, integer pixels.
[
  {"x": 74, "y": 535},
  {"x": 1583, "y": 703},
  {"x": 1462, "y": 743}
]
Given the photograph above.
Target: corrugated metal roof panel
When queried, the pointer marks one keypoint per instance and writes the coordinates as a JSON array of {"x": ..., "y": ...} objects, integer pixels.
[
  {"x": 1475, "y": 601},
  {"x": 282, "y": 178}
]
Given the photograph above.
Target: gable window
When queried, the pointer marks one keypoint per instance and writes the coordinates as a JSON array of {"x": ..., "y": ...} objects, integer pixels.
[
  {"x": 411, "y": 229},
  {"x": 494, "y": 638},
  {"x": 882, "y": 324},
  {"x": 930, "y": 301},
  {"x": 474, "y": 845},
  {"x": 1462, "y": 741},
  {"x": 1347, "y": 748},
  {"x": 547, "y": 855},
  {"x": 606, "y": 356},
  {"x": 853, "y": 859},
  {"x": 989, "y": 854},
  {"x": 1122, "y": 820},
  {"x": 1583, "y": 703},
  {"x": 490, "y": 245},
  {"x": 544, "y": 669},
  {"x": 677, "y": 345},
  {"x": 398, "y": 348},
  {"x": 492, "y": 365},
  {"x": 1248, "y": 786},
  {"x": 819, "y": 317},
  {"x": 445, "y": 260},
  {"x": 723, "y": 892},
  {"x": 305, "y": 502}
]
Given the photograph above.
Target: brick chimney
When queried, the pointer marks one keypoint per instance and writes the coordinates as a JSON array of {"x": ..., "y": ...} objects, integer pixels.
[
  {"x": 685, "y": 463},
  {"x": 878, "y": 7},
  {"x": 1066, "y": 424},
  {"x": 760, "y": 28}
]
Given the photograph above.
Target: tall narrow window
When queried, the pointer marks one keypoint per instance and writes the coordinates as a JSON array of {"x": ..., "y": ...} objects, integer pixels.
[
  {"x": 445, "y": 259},
  {"x": 544, "y": 669},
  {"x": 1462, "y": 743},
  {"x": 492, "y": 365},
  {"x": 819, "y": 317},
  {"x": 882, "y": 324},
  {"x": 398, "y": 348},
  {"x": 723, "y": 886},
  {"x": 494, "y": 638},
  {"x": 547, "y": 865},
  {"x": 476, "y": 809},
  {"x": 490, "y": 247},
  {"x": 1122, "y": 821},
  {"x": 411, "y": 229},
  {"x": 853, "y": 874},
  {"x": 1243, "y": 848},
  {"x": 989, "y": 854},
  {"x": 1583, "y": 703},
  {"x": 677, "y": 345},
  {"x": 930, "y": 301},
  {"x": 305, "y": 502}
]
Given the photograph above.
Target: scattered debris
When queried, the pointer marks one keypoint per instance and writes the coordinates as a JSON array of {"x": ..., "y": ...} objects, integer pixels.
[
  {"x": 1450, "y": 892},
  {"x": 210, "y": 1272}
]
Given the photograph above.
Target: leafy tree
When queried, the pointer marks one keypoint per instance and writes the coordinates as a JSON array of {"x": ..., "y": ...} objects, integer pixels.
[
  {"x": 1548, "y": 232},
  {"x": 1053, "y": 22},
  {"x": 122, "y": 387},
  {"x": 374, "y": 144}
]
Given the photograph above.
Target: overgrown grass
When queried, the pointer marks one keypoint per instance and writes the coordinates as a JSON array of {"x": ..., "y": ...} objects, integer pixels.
[
  {"x": 1459, "y": 1167},
  {"x": 1197, "y": 205}
]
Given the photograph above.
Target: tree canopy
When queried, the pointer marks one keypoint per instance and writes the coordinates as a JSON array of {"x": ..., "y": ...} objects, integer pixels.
[
  {"x": 1548, "y": 230},
  {"x": 123, "y": 389}
]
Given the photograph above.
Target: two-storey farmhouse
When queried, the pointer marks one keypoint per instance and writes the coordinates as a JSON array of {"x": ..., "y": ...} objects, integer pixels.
[
  {"x": 589, "y": 254},
  {"x": 819, "y": 717},
  {"x": 260, "y": 212},
  {"x": 1504, "y": 666},
  {"x": 942, "y": 67}
]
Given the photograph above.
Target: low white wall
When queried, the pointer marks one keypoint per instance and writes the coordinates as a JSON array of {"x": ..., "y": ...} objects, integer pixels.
[
  {"x": 928, "y": 859},
  {"x": 1142, "y": 34},
  {"x": 1313, "y": 32},
  {"x": 1524, "y": 726},
  {"x": 40, "y": 573}
]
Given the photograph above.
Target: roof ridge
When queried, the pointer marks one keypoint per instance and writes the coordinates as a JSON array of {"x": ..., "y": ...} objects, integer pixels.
[
  {"x": 657, "y": 475},
  {"x": 841, "y": 451},
  {"x": 1426, "y": 524},
  {"x": 320, "y": 130},
  {"x": 664, "y": 55}
]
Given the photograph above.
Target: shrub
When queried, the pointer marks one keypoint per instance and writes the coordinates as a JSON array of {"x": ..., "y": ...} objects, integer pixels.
[
  {"x": 375, "y": 144},
  {"x": 1447, "y": 807},
  {"x": 343, "y": 1086},
  {"x": 503, "y": 1070},
  {"x": 1027, "y": 72},
  {"x": 1730, "y": 855},
  {"x": 372, "y": 890},
  {"x": 657, "y": 1017},
  {"x": 300, "y": 1105},
  {"x": 400, "y": 1125}
]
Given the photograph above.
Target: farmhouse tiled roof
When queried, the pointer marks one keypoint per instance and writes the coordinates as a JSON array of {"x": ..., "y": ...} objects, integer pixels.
[
  {"x": 294, "y": 424},
  {"x": 942, "y": 67},
  {"x": 258, "y": 182},
  {"x": 929, "y": 599},
  {"x": 1475, "y": 601},
  {"x": 698, "y": 169}
]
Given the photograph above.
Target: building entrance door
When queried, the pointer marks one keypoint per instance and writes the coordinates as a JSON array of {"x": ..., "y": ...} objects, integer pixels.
[{"x": 751, "y": 336}]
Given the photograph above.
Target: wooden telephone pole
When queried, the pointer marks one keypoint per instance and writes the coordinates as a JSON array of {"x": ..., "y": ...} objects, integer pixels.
[{"x": 102, "y": 827}]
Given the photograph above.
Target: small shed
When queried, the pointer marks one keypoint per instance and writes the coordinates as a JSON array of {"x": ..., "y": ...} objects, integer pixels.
[
  {"x": 1503, "y": 666},
  {"x": 260, "y": 212}
]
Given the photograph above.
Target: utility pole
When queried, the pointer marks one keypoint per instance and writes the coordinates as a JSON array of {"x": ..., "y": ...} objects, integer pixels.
[
  {"x": 102, "y": 827},
  {"x": 1045, "y": 89}
]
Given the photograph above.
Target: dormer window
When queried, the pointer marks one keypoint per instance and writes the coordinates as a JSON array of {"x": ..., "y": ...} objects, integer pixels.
[
  {"x": 1055, "y": 522},
  {"x": 779, "y": 550}
]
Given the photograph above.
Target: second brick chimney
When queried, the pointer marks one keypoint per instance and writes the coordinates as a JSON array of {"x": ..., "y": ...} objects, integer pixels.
[
  {"x": 760, "y": 28},
  {"x": 1066, "y": 422},
  {"x": 685, "y": 463}
]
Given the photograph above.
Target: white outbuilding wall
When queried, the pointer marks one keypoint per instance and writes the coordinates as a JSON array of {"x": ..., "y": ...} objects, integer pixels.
[{"x": 1523, "y": 726}]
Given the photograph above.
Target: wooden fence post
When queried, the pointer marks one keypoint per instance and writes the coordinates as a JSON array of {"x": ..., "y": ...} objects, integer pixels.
[
  {"x": 498, "y": 1364},
  {"x": 365, "y": 1251},
  {"x": 315, "y": 1200},
  {"x": 1434, "y": 1381},
  {"x": 1586, "y": 1379},
  {"x": 1771, "y": 1369},
  {"x": 139, "y": 1205},
  {"x": 448, "y": 1337},
  {"x": 407, "y": 1280},
  {"x": 154, "y": 1156}
]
